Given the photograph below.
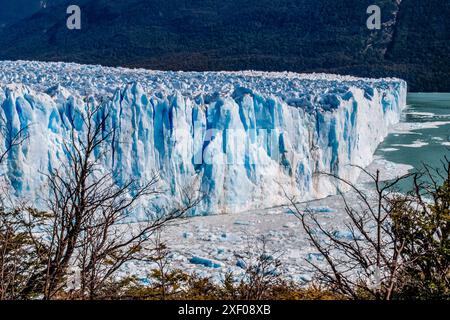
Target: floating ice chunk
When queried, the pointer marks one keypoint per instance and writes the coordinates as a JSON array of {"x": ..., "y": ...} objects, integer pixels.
[
  {"x": 315, "y": 256},
  {"x": 208, "y": 237},
  {"x": 421, "y": 114},
  {"x": 289, "y": 225},
  {"x": 205, "y": 262},
  {"x": 407, "y": 127},
  {"x": 187, "y": 235},
  {"x": 388, "y": 149},
  {"x": 345, "y": 235},
  {"x": 242, "y": 223},
  {"x": 305, "y": 278},
  {"x": 415, "y": 144},
  {"x": 321, "y": 209},
  {"x": 389, "y": 170},
  {"x": 241, "y": 264},
  {"x": 144, "y": 281},
  {"x": 228, "y": 237},
  {"x": 223, "y": 255}
]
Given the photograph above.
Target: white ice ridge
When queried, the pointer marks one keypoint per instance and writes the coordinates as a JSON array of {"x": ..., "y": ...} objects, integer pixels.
[{"x": 248, "y": 138}]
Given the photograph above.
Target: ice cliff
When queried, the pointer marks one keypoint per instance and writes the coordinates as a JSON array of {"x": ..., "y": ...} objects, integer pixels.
[{"x": 247, "y": 138}]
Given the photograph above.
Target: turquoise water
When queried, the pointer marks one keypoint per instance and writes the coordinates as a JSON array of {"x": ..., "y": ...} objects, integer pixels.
[{"x": 424, "y": 134}]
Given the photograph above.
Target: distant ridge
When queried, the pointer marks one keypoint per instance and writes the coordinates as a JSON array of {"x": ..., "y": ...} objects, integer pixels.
[{"x": 270, "y": 35}]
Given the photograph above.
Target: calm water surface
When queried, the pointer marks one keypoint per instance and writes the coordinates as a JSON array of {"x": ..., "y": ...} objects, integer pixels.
[{"x": 424, "y": 134}]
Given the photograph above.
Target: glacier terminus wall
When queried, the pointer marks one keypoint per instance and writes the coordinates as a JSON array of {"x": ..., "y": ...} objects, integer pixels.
[{"x": 246, "y": 138}]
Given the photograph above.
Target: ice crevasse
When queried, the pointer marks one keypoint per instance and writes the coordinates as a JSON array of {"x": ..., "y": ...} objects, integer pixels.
[{"x": 244, "y": 139}]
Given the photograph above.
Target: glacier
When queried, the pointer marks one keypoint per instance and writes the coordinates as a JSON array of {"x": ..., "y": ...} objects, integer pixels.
[{"x": 246, "y": 139}]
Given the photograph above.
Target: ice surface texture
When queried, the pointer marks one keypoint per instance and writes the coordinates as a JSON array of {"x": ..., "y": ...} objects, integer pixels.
[{"x": 247, "y": 138}]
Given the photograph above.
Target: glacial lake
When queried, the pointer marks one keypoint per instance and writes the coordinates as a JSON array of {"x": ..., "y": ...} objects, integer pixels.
[{"x": 423, "y": 136}]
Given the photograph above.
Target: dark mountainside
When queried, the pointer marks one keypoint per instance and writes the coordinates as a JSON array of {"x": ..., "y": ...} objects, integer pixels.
[
  {"x": 273, "y": 35},
  {"x": 13, "y": 11}
]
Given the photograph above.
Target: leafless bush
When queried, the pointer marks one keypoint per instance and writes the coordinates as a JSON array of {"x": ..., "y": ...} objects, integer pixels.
[
  {"x": 366, "y": 263},
  {"x": 10, "y": 138},
  {"x": 261, "y": 271},
  {"x": 87, "y": 224},
  {"x": 15, "y": 260},
  {"x": 422, "y": 219},
  {"x": 397, "y": 242}
]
